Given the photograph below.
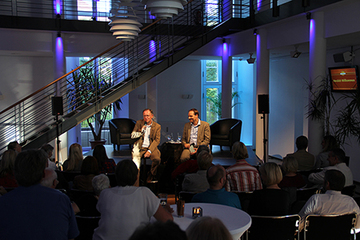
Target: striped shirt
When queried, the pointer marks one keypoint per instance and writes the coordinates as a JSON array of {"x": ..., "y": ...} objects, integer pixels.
[{"x": 242, "y": 177}]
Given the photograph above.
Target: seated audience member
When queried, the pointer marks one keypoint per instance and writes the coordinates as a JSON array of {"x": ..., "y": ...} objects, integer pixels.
[
  {"x": 159, "y": 231},
  {"x": 208, "y": 228},
  {"x": 89, "y": 170},
  {"x": 271, "y": 201},
  {"x": 291, "y": 177},
  {"x": 50, "y": 179},
  {"x": 216, "y": 176},
  {"x": 197, "y": 182},
  {"x": 75, "y": 158},
  {"x": 328, "y": 144},
  {"x": 306, "y": 160},
  {"x": 125, "y": 207},
  {"x": 7, "y": 177},
  {"x": 336, "y": 158},
  {"x": 15, "y": 146},
  {"x": 33, "y": 211},
  {"x": 242, "y": 177},
  {"x": 189, "y": 166},
  {"x": 332, "y": 202},
  {"x": 87, "y": 203},
  {"x": 106, "y": 165},
  {"x": 49, "y": 151}
]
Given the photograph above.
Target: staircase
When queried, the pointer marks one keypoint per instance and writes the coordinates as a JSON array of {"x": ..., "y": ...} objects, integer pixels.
[{"x": 159, "y": 46}]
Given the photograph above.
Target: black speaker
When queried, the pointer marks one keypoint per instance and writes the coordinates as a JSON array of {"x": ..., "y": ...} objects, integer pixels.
[
  {"x": 57, "y": 106},
  {"x": 263, "y": 103}
]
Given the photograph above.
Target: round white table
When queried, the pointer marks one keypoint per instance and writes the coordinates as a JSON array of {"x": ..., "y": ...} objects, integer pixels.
[{"x": 236, "y": 220}]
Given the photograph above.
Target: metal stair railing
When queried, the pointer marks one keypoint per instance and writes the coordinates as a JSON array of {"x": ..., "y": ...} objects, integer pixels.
[{"x": 119, "y": 69}]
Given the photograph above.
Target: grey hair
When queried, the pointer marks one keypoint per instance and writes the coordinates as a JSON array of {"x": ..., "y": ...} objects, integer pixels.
[
  {"x": 99, "y": 183},
  {"x": 49, "y": 178}
]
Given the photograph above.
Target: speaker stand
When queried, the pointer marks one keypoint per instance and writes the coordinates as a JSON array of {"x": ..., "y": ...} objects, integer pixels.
[
  {"x": 265, "y": 139},
  {"x": 57, "y": 142}
]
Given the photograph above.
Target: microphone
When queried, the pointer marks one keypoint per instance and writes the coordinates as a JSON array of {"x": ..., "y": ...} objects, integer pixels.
[{"x": 143, "y": 131}]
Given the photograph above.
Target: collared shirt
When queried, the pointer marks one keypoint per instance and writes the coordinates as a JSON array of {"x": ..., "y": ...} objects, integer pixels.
[
  {"x": 318, "y": 178},
  {"x": 331, "y": 202},
  {"x": 146, "y": 142},
  {"x": 242, "y": 177},
  {"x": 194, "y": 133}
]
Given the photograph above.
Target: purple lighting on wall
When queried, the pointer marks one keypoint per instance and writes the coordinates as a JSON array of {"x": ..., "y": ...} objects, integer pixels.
[
  {"x": 225, "y": 47},
  {"x": 152, "y": 50},
  {"x": 258, "y": 4},
  {"x": 59, "y": 48},
  {"x": 151, "y": 16},
  {"x": 57, "y": 6}
]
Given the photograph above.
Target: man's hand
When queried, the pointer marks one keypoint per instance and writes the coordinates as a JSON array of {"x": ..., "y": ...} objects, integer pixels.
[
  {"x": 147, "y": 154},
  {"x": 195, "y": 150},
  {"x": 187, "y": 145}
]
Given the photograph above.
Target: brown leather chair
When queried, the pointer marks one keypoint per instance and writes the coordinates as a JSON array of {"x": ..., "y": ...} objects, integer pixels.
[
  {"x": 120, "y": 131},
  {"x": 225, "y": 132}
]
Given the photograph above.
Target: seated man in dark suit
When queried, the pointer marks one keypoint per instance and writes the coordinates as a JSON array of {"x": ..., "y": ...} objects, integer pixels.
[{"x": 216, "y": 176}]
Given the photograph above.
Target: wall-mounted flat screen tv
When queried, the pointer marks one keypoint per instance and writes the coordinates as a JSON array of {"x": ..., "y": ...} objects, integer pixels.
[{"x": 344, "y": 78}]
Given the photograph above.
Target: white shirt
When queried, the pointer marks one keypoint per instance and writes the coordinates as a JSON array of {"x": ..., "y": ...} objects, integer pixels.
[
  {"x": 332, "y": 202},
  {"x": 146, "y": 142},
  {"x": 122, "y": 210},
  {"x": 194, "y": 133},
  {"x": 318, "y": 178}
]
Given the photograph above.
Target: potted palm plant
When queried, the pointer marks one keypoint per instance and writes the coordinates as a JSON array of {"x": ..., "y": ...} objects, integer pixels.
[{"x": 86, "y": 86}]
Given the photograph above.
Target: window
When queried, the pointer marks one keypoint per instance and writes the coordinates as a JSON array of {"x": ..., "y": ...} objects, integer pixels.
[
  {"x": 90, "y": 10},
  {"x": 211, "y": 89},
  {"x": 212, "y": 12}
]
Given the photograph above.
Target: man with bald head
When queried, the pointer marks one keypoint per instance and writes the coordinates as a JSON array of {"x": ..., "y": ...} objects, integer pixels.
[{"x": 216, "y": 177}]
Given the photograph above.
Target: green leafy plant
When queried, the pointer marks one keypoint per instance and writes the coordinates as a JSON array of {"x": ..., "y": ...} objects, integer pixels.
[
  {"x": 86, "y": 86},
  {"x": 216, "y": 103}
]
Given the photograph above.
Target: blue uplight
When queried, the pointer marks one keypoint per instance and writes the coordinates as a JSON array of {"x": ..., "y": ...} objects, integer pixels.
[{"x": 57, "y": 6}]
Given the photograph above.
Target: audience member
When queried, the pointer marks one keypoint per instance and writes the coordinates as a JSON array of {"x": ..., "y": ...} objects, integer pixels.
[
  {"x": 50, "y": 179},
  {"x": 306, "y": 160},
  {"x": 2, "y": 191},
  {"x": 332, "y": 202},
  {"x": 87, "y": 203},
  {"x": 291, "y": 178},
  {"x": 89, "y": 169},
  {"x": 15, "y": 146},
  {"x": 216, "y": 176},
  {"x": 190, "y": 166},
  {"x": 208, "y": 228},
  {"x": 271, "y": 201},
  {"x": 125, "y": 207},
  {"x": 75, "y": 158},
  {"x": 336, "y": 158},
  {"x": 159, "y": 231},
  {"x": 242, "y": 177},
  {"x": 7, "y": 177},
  {"x": 32, "y": 211},
  {"x": 106, "y": 165},
  {"x": 328, "y": 144},
  {"x": 197, "y": 182},
  {"x": 195, "y": 133},
  {"x": 49, "y": 151}
]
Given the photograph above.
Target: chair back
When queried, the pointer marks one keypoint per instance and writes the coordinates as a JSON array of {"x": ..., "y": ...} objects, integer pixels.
[
  {"x": 329, "y": 227},
  {"x": 274, "y": 227},
  {"x": 86, "y": 226},
  {"x": 187, "y": 196},
  {"x": 245, "y": 198},
  {"x": 223, "y": 126}
]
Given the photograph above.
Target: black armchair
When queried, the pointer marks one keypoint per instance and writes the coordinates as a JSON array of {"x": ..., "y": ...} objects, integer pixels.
[
  {"x": 225, "y": 132},
  {"x": 120, "y": 131}
]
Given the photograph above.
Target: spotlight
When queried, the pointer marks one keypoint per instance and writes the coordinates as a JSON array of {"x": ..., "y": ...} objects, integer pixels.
[
  {"x": 308, "y": 15},
  {"x": 343, "y": 57},
  {"x": 251, "y": 60},
  {"x": 255, "y": 32},
  {"x": 296, "y": 53}
]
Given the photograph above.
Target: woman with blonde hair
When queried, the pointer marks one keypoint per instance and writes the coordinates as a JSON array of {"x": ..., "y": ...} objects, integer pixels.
[
  {"x": 75, "y": 158},
  {"x": 7, "y": 178},
  {"x": 291, "y": 177},
  {"x": 272, "y": 200}
]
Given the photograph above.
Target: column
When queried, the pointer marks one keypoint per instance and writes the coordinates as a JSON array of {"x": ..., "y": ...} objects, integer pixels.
[
  {"x": 317, "y": 69},
  {"x": 226, "y": 80},
  {"x": 262, "y": 87}
]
